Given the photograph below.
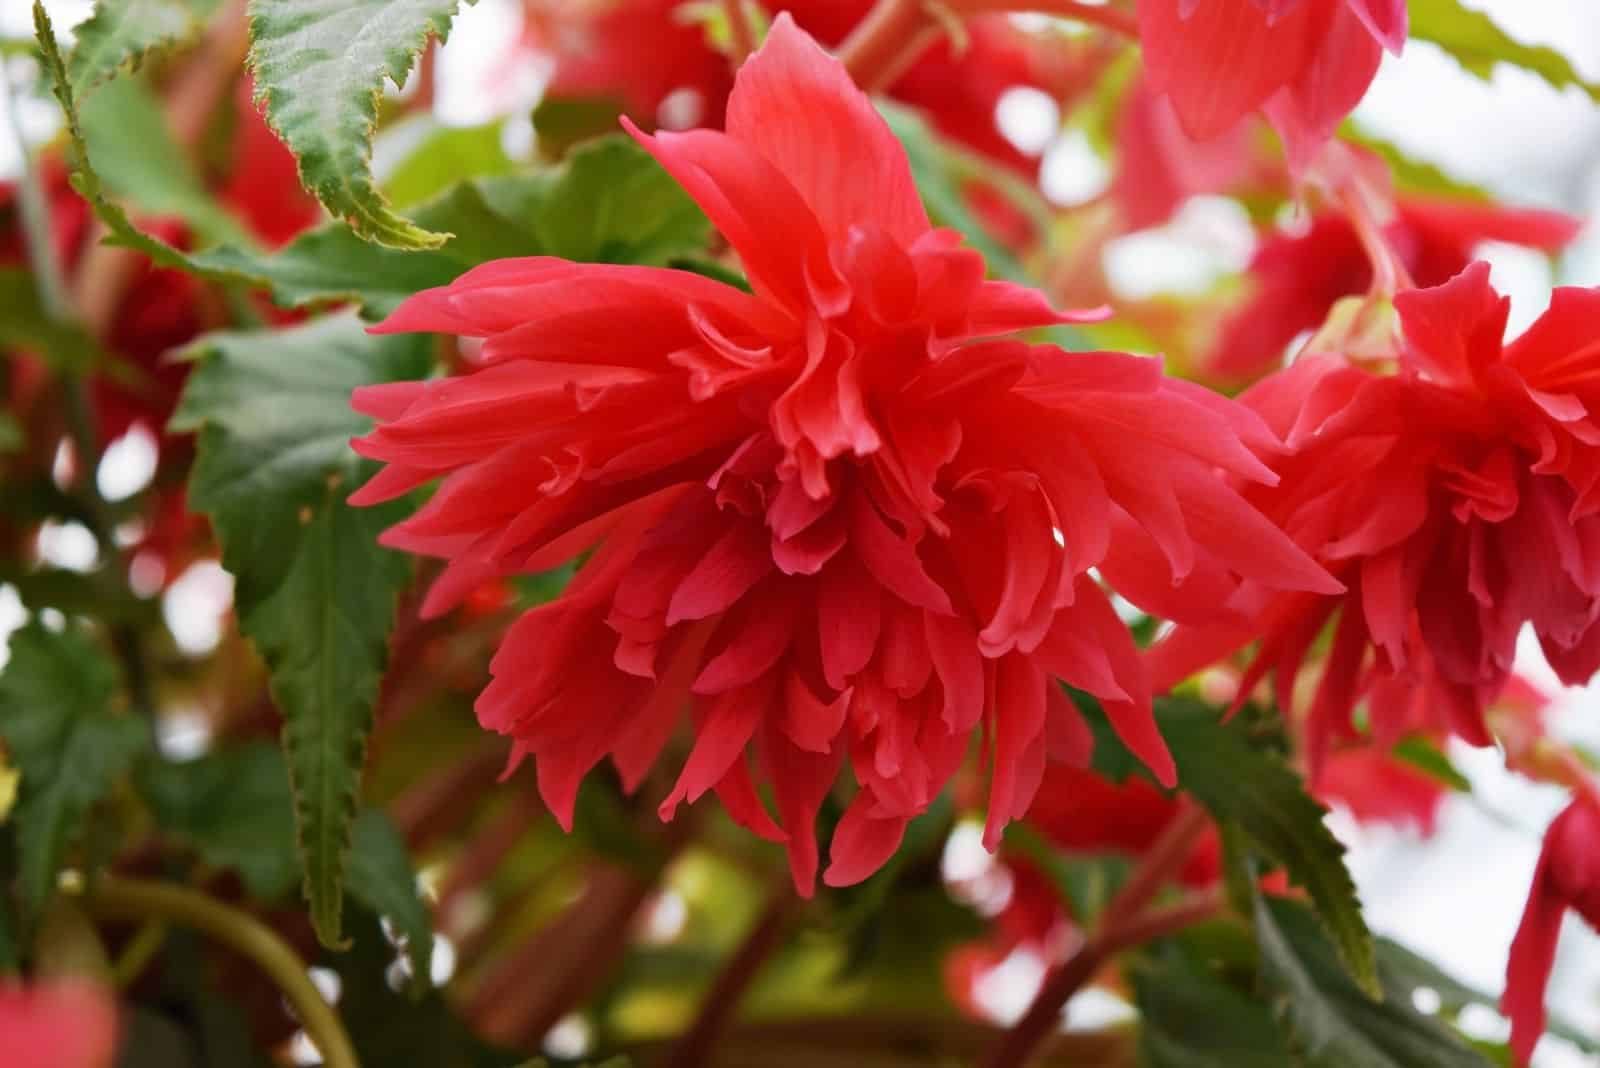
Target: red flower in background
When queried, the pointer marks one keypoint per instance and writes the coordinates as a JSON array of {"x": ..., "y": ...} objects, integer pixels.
[
  {"x": 844, "y": 517},
  {"x": 1298, "y": 278},
  {"x": 1567, "y": 877},
  {"x": 1378, "y": 787},
  {"x": 1457, "y": 500},
  {"x": 643, "y": 51},
  {"x": 63, "y": 1024},
  {"x": 1305, "y": 63}
]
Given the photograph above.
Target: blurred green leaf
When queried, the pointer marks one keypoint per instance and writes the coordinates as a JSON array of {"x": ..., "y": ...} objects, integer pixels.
[
  {"x": 1333, "y": 1023},
  {"x": 121, "y": 33},
  {"x": 381, "y": 877},
  {"x": 1412, "y": 175},
  {"x": 320, "y": 65},
  {"x": 57, "y": 720},
  {"x": 136, "y": 158},
  {"x": 562, "y": 122},
  {"x": 26, "y": 324},
  {"x": 313, "y": 589},
  {"x": 1245, "y": 785},
  {"x": 1421, "y": 754},
  {"x": 1473, "y": 40},
  {"x": 1085, "y": 882},
  {"x": 234, "y": 808},
  {"x": 444, "y": 156},
  {"x": 13, "y": 438}
]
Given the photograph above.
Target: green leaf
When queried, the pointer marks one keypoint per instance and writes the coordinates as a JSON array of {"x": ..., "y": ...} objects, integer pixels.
[
  {"x": 136, "y": 158},
  {"x": 1191, "y": 1018},
  {"x": 1473, "y": 40},
  {"x": 313, "y": 589},
  {"x": 320, "y": 66},
  {"x": 234, "y": 809},
  {"x": 1410, "y": 174},
  {"x": 941, "y": 190},
  {"x": 610, "y": 202},
  {"x": 381, "y": 878},
  {"x": 444, "y": 156},
  {"x": 1246, "y": 786},
  {"x": 121, "y": 33},
  {"x": 1086, "y": 882},
  {"x": 71, "y": 747},
  {"x": 1423, "y": 755},
  {"x": 1334, "y": 1024}
]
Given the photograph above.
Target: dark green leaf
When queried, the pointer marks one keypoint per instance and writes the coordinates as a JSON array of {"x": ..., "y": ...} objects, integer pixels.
[
  {"x": 314, "y": 591},
  {"x": 1191, "y": 1018},
  {"x": 1246, "y": 786},
  {"x": 1473, "y": 40},
  {"x": 26, "y": 324},
  {"x": 1334, "y": 1024},
  {"x": 121, "y": 33},
  {"x": 381, "y": 878},
  {"x": 234, "y": 809},
  {"x": 320, "y": 66},
  {"x": 610, "y": 202},
  {"x": 56, "y": 718}
]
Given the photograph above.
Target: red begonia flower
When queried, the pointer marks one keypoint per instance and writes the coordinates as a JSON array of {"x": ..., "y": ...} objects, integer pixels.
[
  {"x": 1306, "y": 63},
  {"x": 643, "y": 51},
  {"x": 1378, "y": 787},
  {"x": 1298, "y": 278},
  {"x": 62, "y": 1024},
  {"x": 844, "y": 517},
  {"x": 1567, "y": 876},
  {"x": 1458, "y": 500}
]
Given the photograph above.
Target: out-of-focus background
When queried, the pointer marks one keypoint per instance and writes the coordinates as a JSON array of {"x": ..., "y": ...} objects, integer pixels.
[{"x": 1455, "y": 897}]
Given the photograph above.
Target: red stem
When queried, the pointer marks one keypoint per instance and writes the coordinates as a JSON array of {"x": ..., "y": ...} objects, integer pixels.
[
  {"x": 744, "y": 37},
  {"x": 1124, "y": 924},
  {"x": 886, "y": 42},
  {"x": 1104, "y": 16}
]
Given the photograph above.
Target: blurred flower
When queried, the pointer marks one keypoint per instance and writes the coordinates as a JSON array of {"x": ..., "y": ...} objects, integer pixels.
[
  {"x": 1457, "y": 500},
  {"x": 57, "y": 1024},
  {"x": 843, "y": 516},
  {"x": 1306, "y": 63},
  {"x": 1298, "y": 278},
  {"x": 1567, "y": 876}
]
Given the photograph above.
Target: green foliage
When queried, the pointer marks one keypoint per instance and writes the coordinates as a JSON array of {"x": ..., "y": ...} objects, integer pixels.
[
  {"x": 27, "y": 324},
  {"x": 71, "y": 746},
  {"x": 121, "y": 33},
  {"x": 314, "y": 592},
  {"x": 1473, "y": 40},
  {"x": 320, "y": 66},
  {"x": 443, "y": 157},
  {"x": 1190, "y": 1017},
  {"x": 127, "y": 136},
  {"x": 610, "y": 202},
  {"x": 1420, "y": 753},
  {"x": 233, "y": 808},
  {"x": 1332, "y": 1023},
  {"x": 1251, "y": 791},
  {"x": 380, "y": 876},
  {"x": 1086, "y": 882}
]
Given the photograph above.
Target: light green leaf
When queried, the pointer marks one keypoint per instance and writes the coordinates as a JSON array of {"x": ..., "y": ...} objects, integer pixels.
[
  {"x": 320, "y": 66},
  {"x": 1420, "y": 753},
  {"x": 609, "y": 202},
  {"x": 313, "y": 589},
  {"x": 443, "y": 156},
  {"x": 1253, "y": 790},
  {"x": 381, "y": 877},
  {"x": 136, "y": 158},
  {"x": 56, "y": 719},
  {"x": 121, "y": 33},
  {"x": 1333, "y": 1024},
  {"x": 234, "y": 809},
  {"x": 1473, "y": 40}
]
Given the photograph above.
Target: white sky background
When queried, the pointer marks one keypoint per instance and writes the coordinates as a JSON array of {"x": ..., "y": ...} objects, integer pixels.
[{"x": 1457, "y": 897}]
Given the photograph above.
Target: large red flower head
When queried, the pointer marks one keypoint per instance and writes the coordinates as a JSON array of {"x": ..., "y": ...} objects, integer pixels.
[
  {"x": 1458, "y": 499},
  {"x": 1306, "y": 63},
  {"x": 1567, "y": 877},
  {"x": 845, "y": 517},
  {"x": 1298, "y": 278}
]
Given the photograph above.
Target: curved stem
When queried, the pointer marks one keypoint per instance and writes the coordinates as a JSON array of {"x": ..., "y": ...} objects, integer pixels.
[
  {"x": 739, "y": 29},
  {"x": 887, "y": 41},
  {"x": 115, "y": 898},
  {"x": 718, "y": 1005},
  {"x": 1104, "y": 16},
  {"x": 1124, "y": 924}
]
